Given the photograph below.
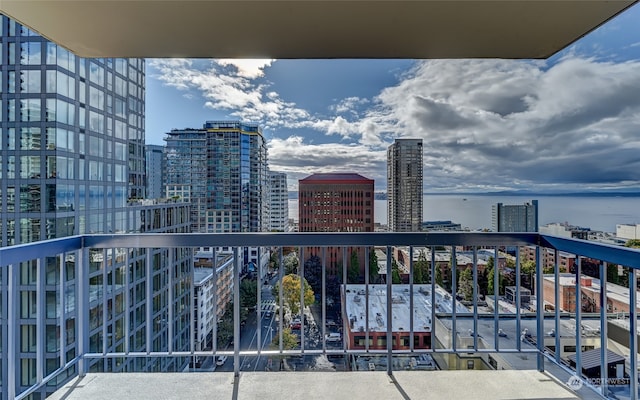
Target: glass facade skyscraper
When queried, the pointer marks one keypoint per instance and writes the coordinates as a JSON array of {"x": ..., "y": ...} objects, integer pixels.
[
  {"x": 222, "y": 170},
  {"x": 72, "y": 139},
  {"x": 72, "y": 161},
  {"x": 404, "y": 185}
]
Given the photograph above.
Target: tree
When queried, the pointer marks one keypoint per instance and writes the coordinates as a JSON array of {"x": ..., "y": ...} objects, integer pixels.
[
  {"x": 527, "y": 271},
  {"x": 353, "y": 273},
  {"x": 633, "y": 243},
  {"x": 490, "y": 278},
  {"x": 291, "y": 263},
  {"x": 248, "y": 293},
  {"x": 395, "y": 273},
  {"x": 439, "y": 277},
  {"x": 421, "y": 269},
  {"x": 291, "y": 292},
  {"x": 374, "y": 275},
  {"x": 225, "y": 326},
  {"x": 289, "y": 340},
  {"x": 273, "y": 261},
  {"x": 313, "y": 272},
  {"x": 465, "y": 287}
]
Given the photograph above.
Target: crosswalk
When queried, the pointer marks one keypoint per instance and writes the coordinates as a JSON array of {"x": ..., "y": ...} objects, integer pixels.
[{"x": 268, "y": 305}]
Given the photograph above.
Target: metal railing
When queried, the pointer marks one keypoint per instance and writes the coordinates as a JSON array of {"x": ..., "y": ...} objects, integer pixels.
[{"x": 38, "y": 277}]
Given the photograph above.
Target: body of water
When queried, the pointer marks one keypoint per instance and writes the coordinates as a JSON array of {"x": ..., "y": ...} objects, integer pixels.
[{"x": 474, "y": 212}]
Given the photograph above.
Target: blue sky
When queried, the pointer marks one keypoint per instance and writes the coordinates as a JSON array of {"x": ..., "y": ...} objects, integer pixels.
[{"x": 571, "y": 122}]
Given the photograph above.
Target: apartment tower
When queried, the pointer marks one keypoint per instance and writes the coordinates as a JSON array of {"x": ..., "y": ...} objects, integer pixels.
[
  {"x": 515, "y": 218},
  {"x": 221, "y": 170},
  {"x": 404, "y": 185},
  {"x": 278, "y": 217},
  {"x": 155, "y": 171}
]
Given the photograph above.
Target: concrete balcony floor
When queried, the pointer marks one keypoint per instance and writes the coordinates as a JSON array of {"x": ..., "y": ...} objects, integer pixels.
[{"x": 446, "y": 385}]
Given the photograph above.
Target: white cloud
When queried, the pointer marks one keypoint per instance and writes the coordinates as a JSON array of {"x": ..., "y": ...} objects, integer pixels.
[
  {"x": 247, "y": 68},
  {"x": 485, "y": 123}
]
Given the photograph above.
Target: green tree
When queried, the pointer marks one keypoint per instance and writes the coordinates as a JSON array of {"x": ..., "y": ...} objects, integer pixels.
[
  {"x": 291, "y": 263},
  {"x": 527, "y": 272},
  {"x": 291, "y": 292},
  {"x": 374, "y": 275},
  {"x": 395, "y": 273},
  {"x": 465, "y": 287},
  {"x": 421, "y": 269},
  {"x": 439, "y": 277},
  {"x": 289, "y": 340},
  {"x": 490, "y": 278},
  {"x": 274, "y": 260},
  {"x": 353, "y": 273},
  {"x": 248, "y": 293},
  {"x": 633, "y": 243},
  {"x": 225, "y": 326}
]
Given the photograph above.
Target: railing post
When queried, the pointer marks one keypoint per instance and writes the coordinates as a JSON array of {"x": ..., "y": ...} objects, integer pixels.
[
  {"x": 324, "y": 299},
  {"x": 539, "y": 309},
  {"x": 40, "y": 320},
  {"x": 433, "y": 299},
  {"x": 519, "y": 298},
  {"x": 454, "y": 290},
  {"x": 578, "y": 317},
  {"x": 83, "y": 309},
  {"x": 302, "y": 288},
  {"x": 280, "y": 300},
  {"x": 496, "y": 297},
  {"x": 633, "y": 334},
  {"x": 475, "y": 299},
  {"x": 556, "y": 279},
  {"x": 604, "y": 366},
  {"x": 411, "y": 311},
  {"x": 366, "y": 299},
  {"x": 12, "y": 326},
  {"x": 236, "y": 312},
  {"x": 258, "y": 303},
  {"x": 389, "y": 312}
]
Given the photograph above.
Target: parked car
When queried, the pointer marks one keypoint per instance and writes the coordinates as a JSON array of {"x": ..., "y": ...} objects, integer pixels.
[
  {"x": 295, "y": 324},
  {"x": 333, "y": 337},
  {"x": 221, "y": 360}
]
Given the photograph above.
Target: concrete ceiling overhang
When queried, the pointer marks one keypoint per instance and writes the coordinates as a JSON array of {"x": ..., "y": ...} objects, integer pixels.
[{"x": 314, "y": 29}]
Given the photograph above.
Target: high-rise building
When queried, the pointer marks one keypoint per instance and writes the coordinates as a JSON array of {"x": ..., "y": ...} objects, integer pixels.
[
  {"x": 221, "y": 169},
  {"x": 278, "y": 218},
  {"x": 154, "y": 168},
  {"x": 72, "y": 139},
  {"x": 72, "y": 161},
  {"x": 515, "y": 218},
  {"x": 336, "y": 202},
  {"x": 404, "y": 185}
]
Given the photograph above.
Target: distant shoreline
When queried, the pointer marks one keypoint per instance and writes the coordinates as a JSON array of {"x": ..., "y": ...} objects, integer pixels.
[{"x": 383, "y": 195}]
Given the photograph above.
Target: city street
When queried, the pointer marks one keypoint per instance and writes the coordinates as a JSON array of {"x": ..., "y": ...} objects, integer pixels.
[{"x": 269, "y": 331}]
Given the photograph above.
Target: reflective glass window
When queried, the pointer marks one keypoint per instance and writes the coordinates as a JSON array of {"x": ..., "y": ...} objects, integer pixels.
[
  {"x": 31, "y": 53},
  {"x": 30, "y": 110}
]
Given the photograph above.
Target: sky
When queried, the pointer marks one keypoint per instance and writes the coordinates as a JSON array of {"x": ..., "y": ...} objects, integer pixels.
[{"x": 568, "y": 123}]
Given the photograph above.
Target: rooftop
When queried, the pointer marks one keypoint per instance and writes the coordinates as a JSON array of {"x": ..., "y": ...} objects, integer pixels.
[
  {"x": 336, "y": 176},
  {"x": 355, "y": 304}
]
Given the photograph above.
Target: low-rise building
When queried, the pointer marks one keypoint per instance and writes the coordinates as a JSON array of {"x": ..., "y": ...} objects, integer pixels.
[
  {"x": 617, "y": 296},
  {"x": 360, "y": 316},
  {"x": 212, "y": 293}
]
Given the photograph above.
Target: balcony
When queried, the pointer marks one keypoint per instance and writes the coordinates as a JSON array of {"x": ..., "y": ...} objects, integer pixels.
[{"x": 127, "y": 302}]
